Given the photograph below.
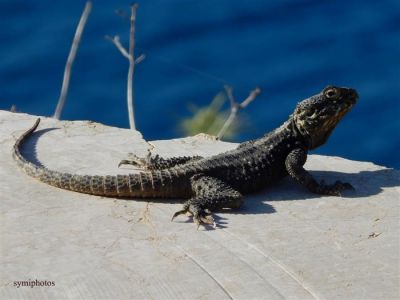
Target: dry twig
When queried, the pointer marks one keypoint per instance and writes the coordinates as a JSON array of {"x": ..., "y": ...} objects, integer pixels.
[
  {"x": 129, "y": 55},
  {"x": 131, "y": 71},
  {"x": 117, "y": 42},
  {"x": 71, "y": 59},
  {"x": 235, "y": 107}
]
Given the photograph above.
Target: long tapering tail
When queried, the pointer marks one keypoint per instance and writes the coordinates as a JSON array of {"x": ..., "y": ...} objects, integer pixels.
[{"x": 155, "y": 184}]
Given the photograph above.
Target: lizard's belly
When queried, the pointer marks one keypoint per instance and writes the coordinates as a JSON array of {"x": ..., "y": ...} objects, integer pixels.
[{"x": 253, "y": 179}]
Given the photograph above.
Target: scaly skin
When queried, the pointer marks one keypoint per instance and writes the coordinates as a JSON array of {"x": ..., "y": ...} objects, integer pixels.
[{"x": 220, "y": 181}]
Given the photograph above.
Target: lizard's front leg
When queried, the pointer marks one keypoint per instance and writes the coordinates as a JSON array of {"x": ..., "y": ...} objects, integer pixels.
[
  {"x": 209, "y": 194},
  {"x": 294, "y": 166}
]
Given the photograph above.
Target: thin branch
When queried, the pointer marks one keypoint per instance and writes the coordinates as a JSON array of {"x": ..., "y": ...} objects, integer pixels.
[
  {"x": 117, "y": 42},
  {"x": 132, "y": 62},
  {"x": 229, "y": 93},
  {"x": 140, "y": 59},
  {"x": 131, "y": 71},
  {"x": 235, "y": 107},
  {"x": 250, "y": 98},
  {"x": 71, "y": 59},
  {"x": 227, "y": 123}
]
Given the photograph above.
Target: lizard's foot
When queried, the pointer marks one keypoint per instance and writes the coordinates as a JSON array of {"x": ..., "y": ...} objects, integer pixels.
[
  {"x": 210, "y": 194},
  {"x": 135, "y": 161},
  {"x": 333, "y": 189},
  {"x": 200, "y": 216}
]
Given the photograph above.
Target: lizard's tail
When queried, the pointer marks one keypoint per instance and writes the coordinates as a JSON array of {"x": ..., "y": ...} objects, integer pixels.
[
  {"x": 27, "y": 166},
  {"x": 157, "y": 184}
]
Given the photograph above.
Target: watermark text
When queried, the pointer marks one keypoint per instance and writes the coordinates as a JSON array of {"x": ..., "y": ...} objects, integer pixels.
[{"x": 33, "y": 283}]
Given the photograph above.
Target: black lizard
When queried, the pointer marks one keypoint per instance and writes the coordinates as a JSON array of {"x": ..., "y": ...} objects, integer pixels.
[{"x": 220, "y": 181}]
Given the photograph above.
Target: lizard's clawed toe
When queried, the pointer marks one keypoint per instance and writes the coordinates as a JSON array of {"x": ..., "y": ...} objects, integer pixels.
[
  {"x": 204, "y": 219},
  {"x": 134, "y": 161},
  {"x": 200, "y": 216},
  {"x": 124, "y": 162},
  {"x": 178, "y": 213}
]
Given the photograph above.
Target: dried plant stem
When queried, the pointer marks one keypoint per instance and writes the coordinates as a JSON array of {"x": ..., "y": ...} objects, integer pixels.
[
  {"x": 130, "y": 56},
  {"x": 71, "y": 59},
  {"x": 117, "y": 42},
  {"x": 131, "y": 71},
  {"x": 235, "y": 107}
]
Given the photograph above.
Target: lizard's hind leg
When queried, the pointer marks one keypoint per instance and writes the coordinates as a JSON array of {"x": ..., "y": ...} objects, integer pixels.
[
  {"x": 209, "y": 194},
  {"x": 155, "y": 162}
]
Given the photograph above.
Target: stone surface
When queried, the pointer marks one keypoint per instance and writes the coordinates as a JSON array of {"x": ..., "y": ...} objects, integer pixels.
[{"x": 284, "y": 243}]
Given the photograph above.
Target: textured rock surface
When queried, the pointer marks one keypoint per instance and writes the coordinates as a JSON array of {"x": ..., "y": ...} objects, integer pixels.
[{"x": 284, "y": 243}]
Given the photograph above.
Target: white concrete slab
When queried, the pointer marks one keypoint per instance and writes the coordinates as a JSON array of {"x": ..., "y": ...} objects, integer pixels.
[{"x": 284, "y": 243}]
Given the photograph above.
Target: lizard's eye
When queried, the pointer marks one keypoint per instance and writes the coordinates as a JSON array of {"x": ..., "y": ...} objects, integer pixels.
[{"x": 331, "y": 93}]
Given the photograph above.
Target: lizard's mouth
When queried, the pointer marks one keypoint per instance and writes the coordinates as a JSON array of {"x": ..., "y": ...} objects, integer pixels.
[{"x": 351, "y": 96}]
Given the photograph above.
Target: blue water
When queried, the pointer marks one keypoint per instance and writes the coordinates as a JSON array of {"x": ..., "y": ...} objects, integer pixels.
[{"x": 291, "y": 49}]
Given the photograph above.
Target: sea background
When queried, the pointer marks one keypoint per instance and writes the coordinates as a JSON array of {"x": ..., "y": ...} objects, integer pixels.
[{"x": 290, "y": 49}]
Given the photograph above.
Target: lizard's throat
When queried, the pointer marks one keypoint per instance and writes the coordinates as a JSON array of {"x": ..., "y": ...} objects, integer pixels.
[{"x": 317, "y": 133}]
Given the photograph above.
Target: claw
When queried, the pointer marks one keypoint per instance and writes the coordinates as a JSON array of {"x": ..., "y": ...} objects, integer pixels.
[
  {"x": 123, "y": 162},
  {"x": 200, "y": 217},
  {"x": 204, "y": 220},
  {"x": 134, "y": 161},
  {"x": 207, "y": 220},
  {"x": 180, "y": 212}
]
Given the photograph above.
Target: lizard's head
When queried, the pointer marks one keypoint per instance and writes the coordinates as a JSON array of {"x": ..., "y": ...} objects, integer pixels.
[{"x": 317, "y": 116}]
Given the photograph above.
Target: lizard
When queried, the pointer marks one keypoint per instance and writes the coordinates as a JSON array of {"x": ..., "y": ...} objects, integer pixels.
[{"x": 219, "y": 182}]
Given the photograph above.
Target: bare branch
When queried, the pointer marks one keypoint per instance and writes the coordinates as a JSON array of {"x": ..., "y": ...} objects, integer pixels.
[
  {"x": 229, "y": 93},
  {"x": 227, "y": 123},
  {"x": 117, "y": 42},
  {"x": 253, "y": 94},
  {"x": 132, "y": 61},
  {"x": 235, "y": 107},
  {"x": 71, "y": 59},
  {"x": 140, "y": 59},
  {"x": 131, "y": 70}
]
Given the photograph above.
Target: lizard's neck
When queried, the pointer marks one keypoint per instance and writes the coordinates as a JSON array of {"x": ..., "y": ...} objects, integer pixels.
[{"x": 288, "y": 129}]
